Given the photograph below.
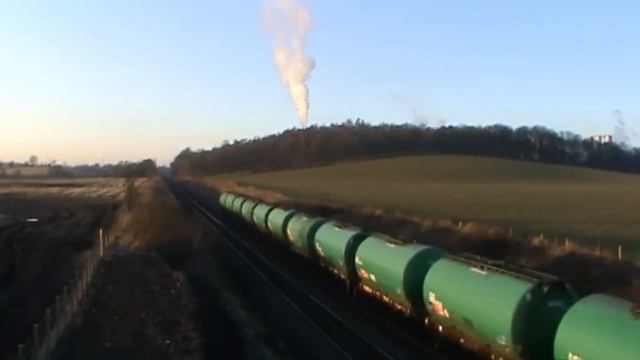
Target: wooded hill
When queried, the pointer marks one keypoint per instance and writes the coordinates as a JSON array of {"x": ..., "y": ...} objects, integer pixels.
[{"x": 320, "y": 145}]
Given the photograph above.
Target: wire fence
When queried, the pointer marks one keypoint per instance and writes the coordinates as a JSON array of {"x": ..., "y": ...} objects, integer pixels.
[
  {"x": 556, "y": 244},
  {"x": 58, "y": 316},
  {"x": 610, "y": 250}
]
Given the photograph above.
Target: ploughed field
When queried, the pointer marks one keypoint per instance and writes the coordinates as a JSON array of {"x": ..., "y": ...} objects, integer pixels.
[
  {"x": 560, "y": 201},
  {"x": 38, "y": 258}
]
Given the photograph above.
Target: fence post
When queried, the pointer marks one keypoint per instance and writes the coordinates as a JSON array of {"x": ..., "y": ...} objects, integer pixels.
[
  {"x": 92, "y": 259},
  {"x": 65, "y": 304},
  {"x": 80, "y": 288},
  {"x": 101, "y": 243},
  {"x": 47, "y": 332},
  {"x": 21, "y": 352},
  {"x": 59, "y": 318},
  {"x": 75, "y": 290},
  {"x": 83, "y": 277},
  {"x": 36, "y": 341},
  {"x": 620, "y": 252},
  {"x": 86, "y": 278},
  {"x": 57, "y": 308},
  {"x": 92, "y": 255}
]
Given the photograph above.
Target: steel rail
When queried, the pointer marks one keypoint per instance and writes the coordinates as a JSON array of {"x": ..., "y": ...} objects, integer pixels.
[{"x": 225, "y": 233}]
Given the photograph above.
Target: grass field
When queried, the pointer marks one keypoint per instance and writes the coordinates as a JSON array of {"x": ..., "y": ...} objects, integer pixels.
[
  {"x": 108, "y": 189},
  {"x": 586, "y": 205}
]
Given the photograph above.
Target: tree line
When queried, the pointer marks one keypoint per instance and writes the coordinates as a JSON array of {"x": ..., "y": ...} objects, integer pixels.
[
  {"x": 126, "y": 169},
  {"x": 321, "y": 145}
]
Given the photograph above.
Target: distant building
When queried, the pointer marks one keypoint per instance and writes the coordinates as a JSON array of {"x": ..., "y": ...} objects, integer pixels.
[
  {"x": 603, "y": 139},
  {"x": 25, "y": 171}
]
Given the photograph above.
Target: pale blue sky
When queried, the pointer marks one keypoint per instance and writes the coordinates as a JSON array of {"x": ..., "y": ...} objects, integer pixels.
[{"x": 86, "y": 81}]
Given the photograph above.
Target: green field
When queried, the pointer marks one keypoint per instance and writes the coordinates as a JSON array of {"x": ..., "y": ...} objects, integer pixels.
[{"x": 587, "y": 205}]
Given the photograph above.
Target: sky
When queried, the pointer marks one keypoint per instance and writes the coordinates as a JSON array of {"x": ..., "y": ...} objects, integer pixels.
[{"x": 100, "y": 81}]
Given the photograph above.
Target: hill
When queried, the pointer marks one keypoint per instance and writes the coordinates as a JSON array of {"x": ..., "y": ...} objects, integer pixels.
[
  {"x": 331, "y": 144},
  {"x": 584, "y": 204}
]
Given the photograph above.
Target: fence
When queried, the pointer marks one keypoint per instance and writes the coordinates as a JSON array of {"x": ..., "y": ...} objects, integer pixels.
[
  {"x": 558, "y": 245},
  {"x": 613, "y": 251},
  {"x": 57, "y": 317}
]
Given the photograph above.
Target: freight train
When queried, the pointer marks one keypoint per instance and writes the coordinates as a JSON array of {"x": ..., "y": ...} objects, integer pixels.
[{"x": 498, "y": 311}]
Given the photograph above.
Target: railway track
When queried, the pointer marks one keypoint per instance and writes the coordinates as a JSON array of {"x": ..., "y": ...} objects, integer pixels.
[{"x": 332, "y": 334}]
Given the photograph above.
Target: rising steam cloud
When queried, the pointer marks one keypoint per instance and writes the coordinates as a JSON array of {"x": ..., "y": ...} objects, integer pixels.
[
  {"x": 622, "y": 134},
  {"x": 291, "y": 21}
]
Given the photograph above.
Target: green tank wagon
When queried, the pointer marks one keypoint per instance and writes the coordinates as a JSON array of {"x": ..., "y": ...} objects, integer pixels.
[
  {"x": 260, "y": 215},
  {"x": 394, "y": 272},
  {"x": 247, "y": 210},
  {"x": 301, "y": 230},
  {"x": 336, "y": 246},
  {"x": 512, "y": 314},
  {"x": 599, "y": 327},
  {"x": 223, "y": 199},
  {"x": 236, "y": 206},
  {"x": 277, "y": 222},
  {"x": 228, "y": 201}
]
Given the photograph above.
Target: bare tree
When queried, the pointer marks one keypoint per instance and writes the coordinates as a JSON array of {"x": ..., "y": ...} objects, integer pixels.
[{"x": 33, "y": 160}]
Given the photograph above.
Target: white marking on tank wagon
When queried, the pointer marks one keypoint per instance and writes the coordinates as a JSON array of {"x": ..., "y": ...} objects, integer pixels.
[
  {"x": 479, "y": 271},
  {"x": 573, "y": 356},
  {"x": 437, "y": 306}
]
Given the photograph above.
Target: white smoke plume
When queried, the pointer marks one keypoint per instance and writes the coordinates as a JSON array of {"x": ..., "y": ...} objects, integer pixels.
[
  {"x": 621, "y": 133},
  {"x": 419, "y": 118},
  {"x": 291, "y": 21}
]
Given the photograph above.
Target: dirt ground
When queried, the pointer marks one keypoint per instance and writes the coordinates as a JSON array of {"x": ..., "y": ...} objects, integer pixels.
[
  {"x": 163, "y": 292},
  {"x": 38, "y": 258},
  {"x": 139, "y": 309},
  {"x": 585, "y": 270}
]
